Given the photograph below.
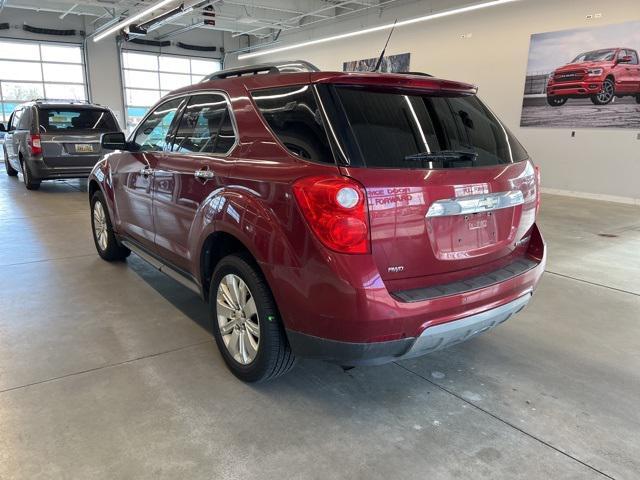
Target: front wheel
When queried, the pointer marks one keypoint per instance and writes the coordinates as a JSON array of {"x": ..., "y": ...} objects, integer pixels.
[
  {"x": 246, "y": 322},
  {"x": 29, "y": 181},
  {"x": 557, "y": 101},
  {"x": 104, "y": 238},
  {"x": 12, "y": 172},
  {"x": 606, "y": 95}
]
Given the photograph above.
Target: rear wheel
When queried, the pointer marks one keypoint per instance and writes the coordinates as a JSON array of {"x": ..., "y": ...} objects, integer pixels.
[
  {"x": 557, "y": 101},
  {"x": 29, "y": 181},
  {"x": 606, "y": 95},
  {"x": 12, "y": 172},
  {"x": 246, "y": 322},
  {"x": 104, "y": 238}
]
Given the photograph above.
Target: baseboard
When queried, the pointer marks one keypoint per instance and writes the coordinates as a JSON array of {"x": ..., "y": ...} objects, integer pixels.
[{"x": 592, "y": 196}]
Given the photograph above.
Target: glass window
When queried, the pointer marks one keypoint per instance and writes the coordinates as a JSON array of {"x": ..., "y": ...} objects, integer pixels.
[
  {"x": 15, "y": 119},
  {"x": 174, "y": 64},
  {"x": 153, "y": 134},
  {"x": 60, "y": 72},
  {"x": 23, "y": 80},
  {"x": 61, "y": 53},
  {"x": 293, "y": 115},
  {"x": 65, "y": 91},
  {"x": 22, "y": 91},
  {"x": 77, "y": 119},
  {"x": 395, "y": 130},
  {"x": 150, "y": 76},
  {"x": 205, "y": 126},
  {"x": 19, "y": 51},
  {"x": 29, "y": 71}
]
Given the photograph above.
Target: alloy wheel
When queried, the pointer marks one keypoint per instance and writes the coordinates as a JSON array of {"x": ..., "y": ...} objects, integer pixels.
[
  {"x": 100, "y": 225},
  {"x": 607, "y": 93},
  {"x": 238, "y": 319}
]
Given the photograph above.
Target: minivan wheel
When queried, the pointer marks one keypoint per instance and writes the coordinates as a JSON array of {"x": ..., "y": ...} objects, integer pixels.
[
  {"x": 606, "y": 95},
  {"x": 557, "y": 101},
  {"x": 29, "y": 182},
  {"x": 246, "y": 322},
  {"x": 103, "y": 237},
  {"x": 12, "y": 172}
]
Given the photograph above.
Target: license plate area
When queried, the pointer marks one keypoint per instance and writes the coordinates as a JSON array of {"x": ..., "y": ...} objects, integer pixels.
[
  {"x": 469, "y": 235},
  {"x": 83, "y": 148}
]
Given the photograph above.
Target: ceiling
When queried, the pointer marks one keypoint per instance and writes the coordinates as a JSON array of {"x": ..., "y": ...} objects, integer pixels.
[{"x": 262, "y": 19}]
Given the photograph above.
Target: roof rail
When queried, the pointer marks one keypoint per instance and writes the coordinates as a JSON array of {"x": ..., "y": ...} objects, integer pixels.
[
  {"x": 264, "y": 68},
  {"x": 58, "y": 100}
]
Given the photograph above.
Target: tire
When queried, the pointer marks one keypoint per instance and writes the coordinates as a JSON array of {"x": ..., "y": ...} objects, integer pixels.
[
  {"x": 272, "y": 356},
  {"x": 607, "y": 94},
  {"x": 557, "y": 101},
  {"x": 12, "y": 172},
  {"x": 105, "y": 240},
  {"x": 29, "y": 182}
]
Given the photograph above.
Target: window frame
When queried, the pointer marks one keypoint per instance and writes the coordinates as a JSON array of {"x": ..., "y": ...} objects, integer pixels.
[
  {"x": 186, "y": 97},
  {"x": 158, "y": 71},
  {"x": 43, "y": 83}
]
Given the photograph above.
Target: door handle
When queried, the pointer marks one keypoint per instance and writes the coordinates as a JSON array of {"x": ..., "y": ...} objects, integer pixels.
[
  {"x": 146, "y": 171},
  {"x": 204, "y": 174}
]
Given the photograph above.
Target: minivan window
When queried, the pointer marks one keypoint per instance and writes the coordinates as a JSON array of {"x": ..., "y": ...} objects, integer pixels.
[
  {"x": 205, "y": 126},
  {"x": 76, "y": 119},
  {"x": 293, "y": 115},
  {"x": 152, "y": 134},
  {"x": 396, "y": 130},
  {"x": 15, "y": 119}
]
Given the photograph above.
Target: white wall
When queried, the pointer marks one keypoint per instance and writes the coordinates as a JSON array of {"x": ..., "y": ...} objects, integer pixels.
[
  {"x": 102, "y": 58},
  {"x": 601, "y": 163}
]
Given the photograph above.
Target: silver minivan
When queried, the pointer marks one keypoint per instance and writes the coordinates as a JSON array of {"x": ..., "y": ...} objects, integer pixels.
[{"x": 48, "y": 140}]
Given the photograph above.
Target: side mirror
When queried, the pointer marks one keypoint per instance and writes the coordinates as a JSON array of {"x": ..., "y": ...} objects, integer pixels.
[
  {"x": 2, "y": 127},
  {"x": 625, "y": 59},
  {"x": 113, "y": 141}
]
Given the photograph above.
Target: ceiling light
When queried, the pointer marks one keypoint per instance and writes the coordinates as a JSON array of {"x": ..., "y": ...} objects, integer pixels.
[
  {"x": 401, "y": 23},
  {"x": 131, "y": 19}
]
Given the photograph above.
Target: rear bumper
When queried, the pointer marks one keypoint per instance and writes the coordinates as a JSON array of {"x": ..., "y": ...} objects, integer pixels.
[
  {"x": 41, "y": 170},
  {"x": 575, "y": 89},
  {"x": 432, "y": 339}
]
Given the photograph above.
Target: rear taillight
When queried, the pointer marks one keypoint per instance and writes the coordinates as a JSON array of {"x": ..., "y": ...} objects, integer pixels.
[
  {"x": 537, "y": 169},
  {"x": 35, "y": 144},
  {"x": 336, "y": 210}
]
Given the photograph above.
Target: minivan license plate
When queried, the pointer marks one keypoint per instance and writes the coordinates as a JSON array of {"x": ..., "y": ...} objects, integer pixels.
[{"x": 84, "y": 148}]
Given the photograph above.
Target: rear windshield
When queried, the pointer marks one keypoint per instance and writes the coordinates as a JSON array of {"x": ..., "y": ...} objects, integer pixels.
[
  {"x": 77, "y": 119},
  {"x": 394, "y": 130}
]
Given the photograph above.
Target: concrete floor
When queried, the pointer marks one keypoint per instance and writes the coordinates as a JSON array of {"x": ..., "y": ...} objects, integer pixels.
[{"x": 108, "y": 371}]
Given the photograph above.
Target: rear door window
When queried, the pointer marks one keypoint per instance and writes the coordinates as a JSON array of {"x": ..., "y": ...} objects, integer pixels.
[
  {"x": 205, "y": 126},
  {"x": 293, "y": 115},
  {"x": 77, "y": 120},
  {"x": 395, "y": 130}
]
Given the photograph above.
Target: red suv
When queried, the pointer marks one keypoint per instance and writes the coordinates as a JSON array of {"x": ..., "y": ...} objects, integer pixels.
[
  {"x": 600, "y": 75},
  {"x": 357, "y": 218}
]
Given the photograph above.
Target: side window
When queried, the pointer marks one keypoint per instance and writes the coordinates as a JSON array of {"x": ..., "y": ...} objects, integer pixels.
[
  {"x": 634, "y": 56},
  {"x": 622, "y": 54},
  {"x": 25, "y": 120},
  {"x": 153, "y": 134},
  {"x": 205, "y": 127},
  {"x": 15, "y": 119},
  {"x": 293, "y": 115}
]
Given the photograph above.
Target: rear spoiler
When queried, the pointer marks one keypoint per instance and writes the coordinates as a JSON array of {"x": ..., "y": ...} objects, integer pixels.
[{"x": 415, "y": 83}]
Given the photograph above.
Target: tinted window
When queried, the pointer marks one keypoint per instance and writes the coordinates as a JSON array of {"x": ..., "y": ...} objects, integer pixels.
[
  {"x": 389, "y": 128},
  {"x": 76, "y": 119},
  {"x": 25, "y": 120},
  {"x": 15, "y": 119},
  {"x": 205, "y": 126},
  {"x": 153, "y": 134},
  {"x": 294, "y": 116}
]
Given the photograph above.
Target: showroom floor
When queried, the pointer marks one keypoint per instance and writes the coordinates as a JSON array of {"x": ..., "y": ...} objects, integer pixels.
[{"x": 108, "y": 371}]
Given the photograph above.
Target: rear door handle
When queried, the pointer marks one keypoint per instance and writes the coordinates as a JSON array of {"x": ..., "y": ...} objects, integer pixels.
[{"x": 204, "y": 174}]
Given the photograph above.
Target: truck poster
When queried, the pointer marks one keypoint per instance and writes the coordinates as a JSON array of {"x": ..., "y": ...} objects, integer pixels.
[{"x": 584, "y": 78}]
